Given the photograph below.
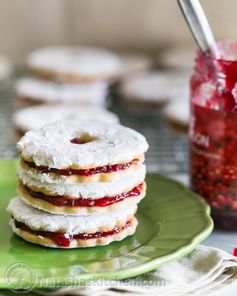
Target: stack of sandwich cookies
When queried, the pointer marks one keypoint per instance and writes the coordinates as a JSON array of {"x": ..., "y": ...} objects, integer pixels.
[{"x": 74, "y": 172}]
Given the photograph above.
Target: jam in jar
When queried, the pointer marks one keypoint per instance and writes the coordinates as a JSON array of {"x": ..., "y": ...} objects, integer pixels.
[{"x": 213, "y": 133}]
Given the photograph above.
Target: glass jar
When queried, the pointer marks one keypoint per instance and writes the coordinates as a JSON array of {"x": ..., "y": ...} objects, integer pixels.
[{"x": 213, "y": 133}]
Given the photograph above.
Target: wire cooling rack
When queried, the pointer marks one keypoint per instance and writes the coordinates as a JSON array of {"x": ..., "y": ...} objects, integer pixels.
[{"x": 168, "y": 148}]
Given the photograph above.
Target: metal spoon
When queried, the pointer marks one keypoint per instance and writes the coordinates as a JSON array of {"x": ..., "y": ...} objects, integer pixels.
[{"x": 199, "y": 26}]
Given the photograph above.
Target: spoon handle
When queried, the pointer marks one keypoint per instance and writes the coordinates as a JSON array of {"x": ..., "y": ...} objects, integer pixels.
[{"x": 199, "y": 26}]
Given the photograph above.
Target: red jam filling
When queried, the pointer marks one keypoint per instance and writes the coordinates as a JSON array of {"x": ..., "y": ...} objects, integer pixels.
[
  {"x": 63, "y": 240},
  {"x": 235, "y": 252},
  {"x": 85, "y": 202},
  {"x": 77, "y": 141},
  {"x": 213, "y": 137},
  {"x": 89, "y": 172}
]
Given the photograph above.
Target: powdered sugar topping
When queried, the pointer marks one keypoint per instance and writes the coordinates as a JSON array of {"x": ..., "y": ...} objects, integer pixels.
[
  {"x": 75, "y": 60},
  {"x": 178, "y": 108},
  {"x": 62, "y": 92},
  {"x": 36, "y": 117},
  {"x": 109, "y": 144},
  {"x": 153, "y": 86}
]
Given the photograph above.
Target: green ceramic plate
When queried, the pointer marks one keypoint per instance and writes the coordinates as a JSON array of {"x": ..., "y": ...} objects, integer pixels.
[{"x": 172, "y": 221}]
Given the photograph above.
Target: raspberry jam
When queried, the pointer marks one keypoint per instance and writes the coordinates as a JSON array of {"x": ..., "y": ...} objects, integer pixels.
[
  {"x": 60, "y": 201},
  {"x": 213, "y": 135},
  {"x": 77, "y": 141},
  {"x": 89, "y": 172},
  {"x": 64, "y": 240}
]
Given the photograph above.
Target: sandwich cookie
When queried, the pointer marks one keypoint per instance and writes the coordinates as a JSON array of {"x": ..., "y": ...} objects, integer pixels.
[
  {"x": 177, "y": 112},
  {"x": 82, "y": 198},
  {"x": 81, "y": 145},
  {"x": 178, "y": 57},
  {"x": 151, "y": 89},
  {"x": 31, "y": 91},
  {"x": 134, "y": 64},
  {"x": 35, "y": 117},
  {"x": 57, "y": 231},
  {"x": 82, "y": 167},
  {"x": 74, "y": 63}
]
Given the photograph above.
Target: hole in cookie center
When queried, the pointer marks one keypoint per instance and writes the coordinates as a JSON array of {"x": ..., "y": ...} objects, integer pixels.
[{"x": 83, "y": 139}]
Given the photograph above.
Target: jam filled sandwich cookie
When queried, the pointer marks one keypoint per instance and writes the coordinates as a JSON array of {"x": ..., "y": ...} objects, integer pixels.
[
  {"x": 35, "y": 117},
  {"x": 177, "y": 112},
  {"x": 31, "y": 91},
  {"x": 57, "y": 231},
  {"x": 134, "y": 64},
  {"x": 151, "y": 89},
  {"x": 82, "y": 167},
  {"x": 74, "y": 63},
  {"x": 178, "y": 58}
]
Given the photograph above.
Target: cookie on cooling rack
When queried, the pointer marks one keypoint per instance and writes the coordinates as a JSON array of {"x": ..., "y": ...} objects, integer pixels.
[
  {"x": 57, "y": 231},
  {"x": 177, "y": 112},
  {"x": 82, "y": 167},
  {"x": 35, "y": 117},
  {"x": 151, "y": 89},
  {"x": 178, "y": 57},
  {"x": 32, "y": 91},
  {"x": 74, "y": 63},
  {"x": 134, "y": 64}
]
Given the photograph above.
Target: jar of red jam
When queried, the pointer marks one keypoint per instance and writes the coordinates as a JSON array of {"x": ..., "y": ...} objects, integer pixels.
[{"x": 213, "y": 133}]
